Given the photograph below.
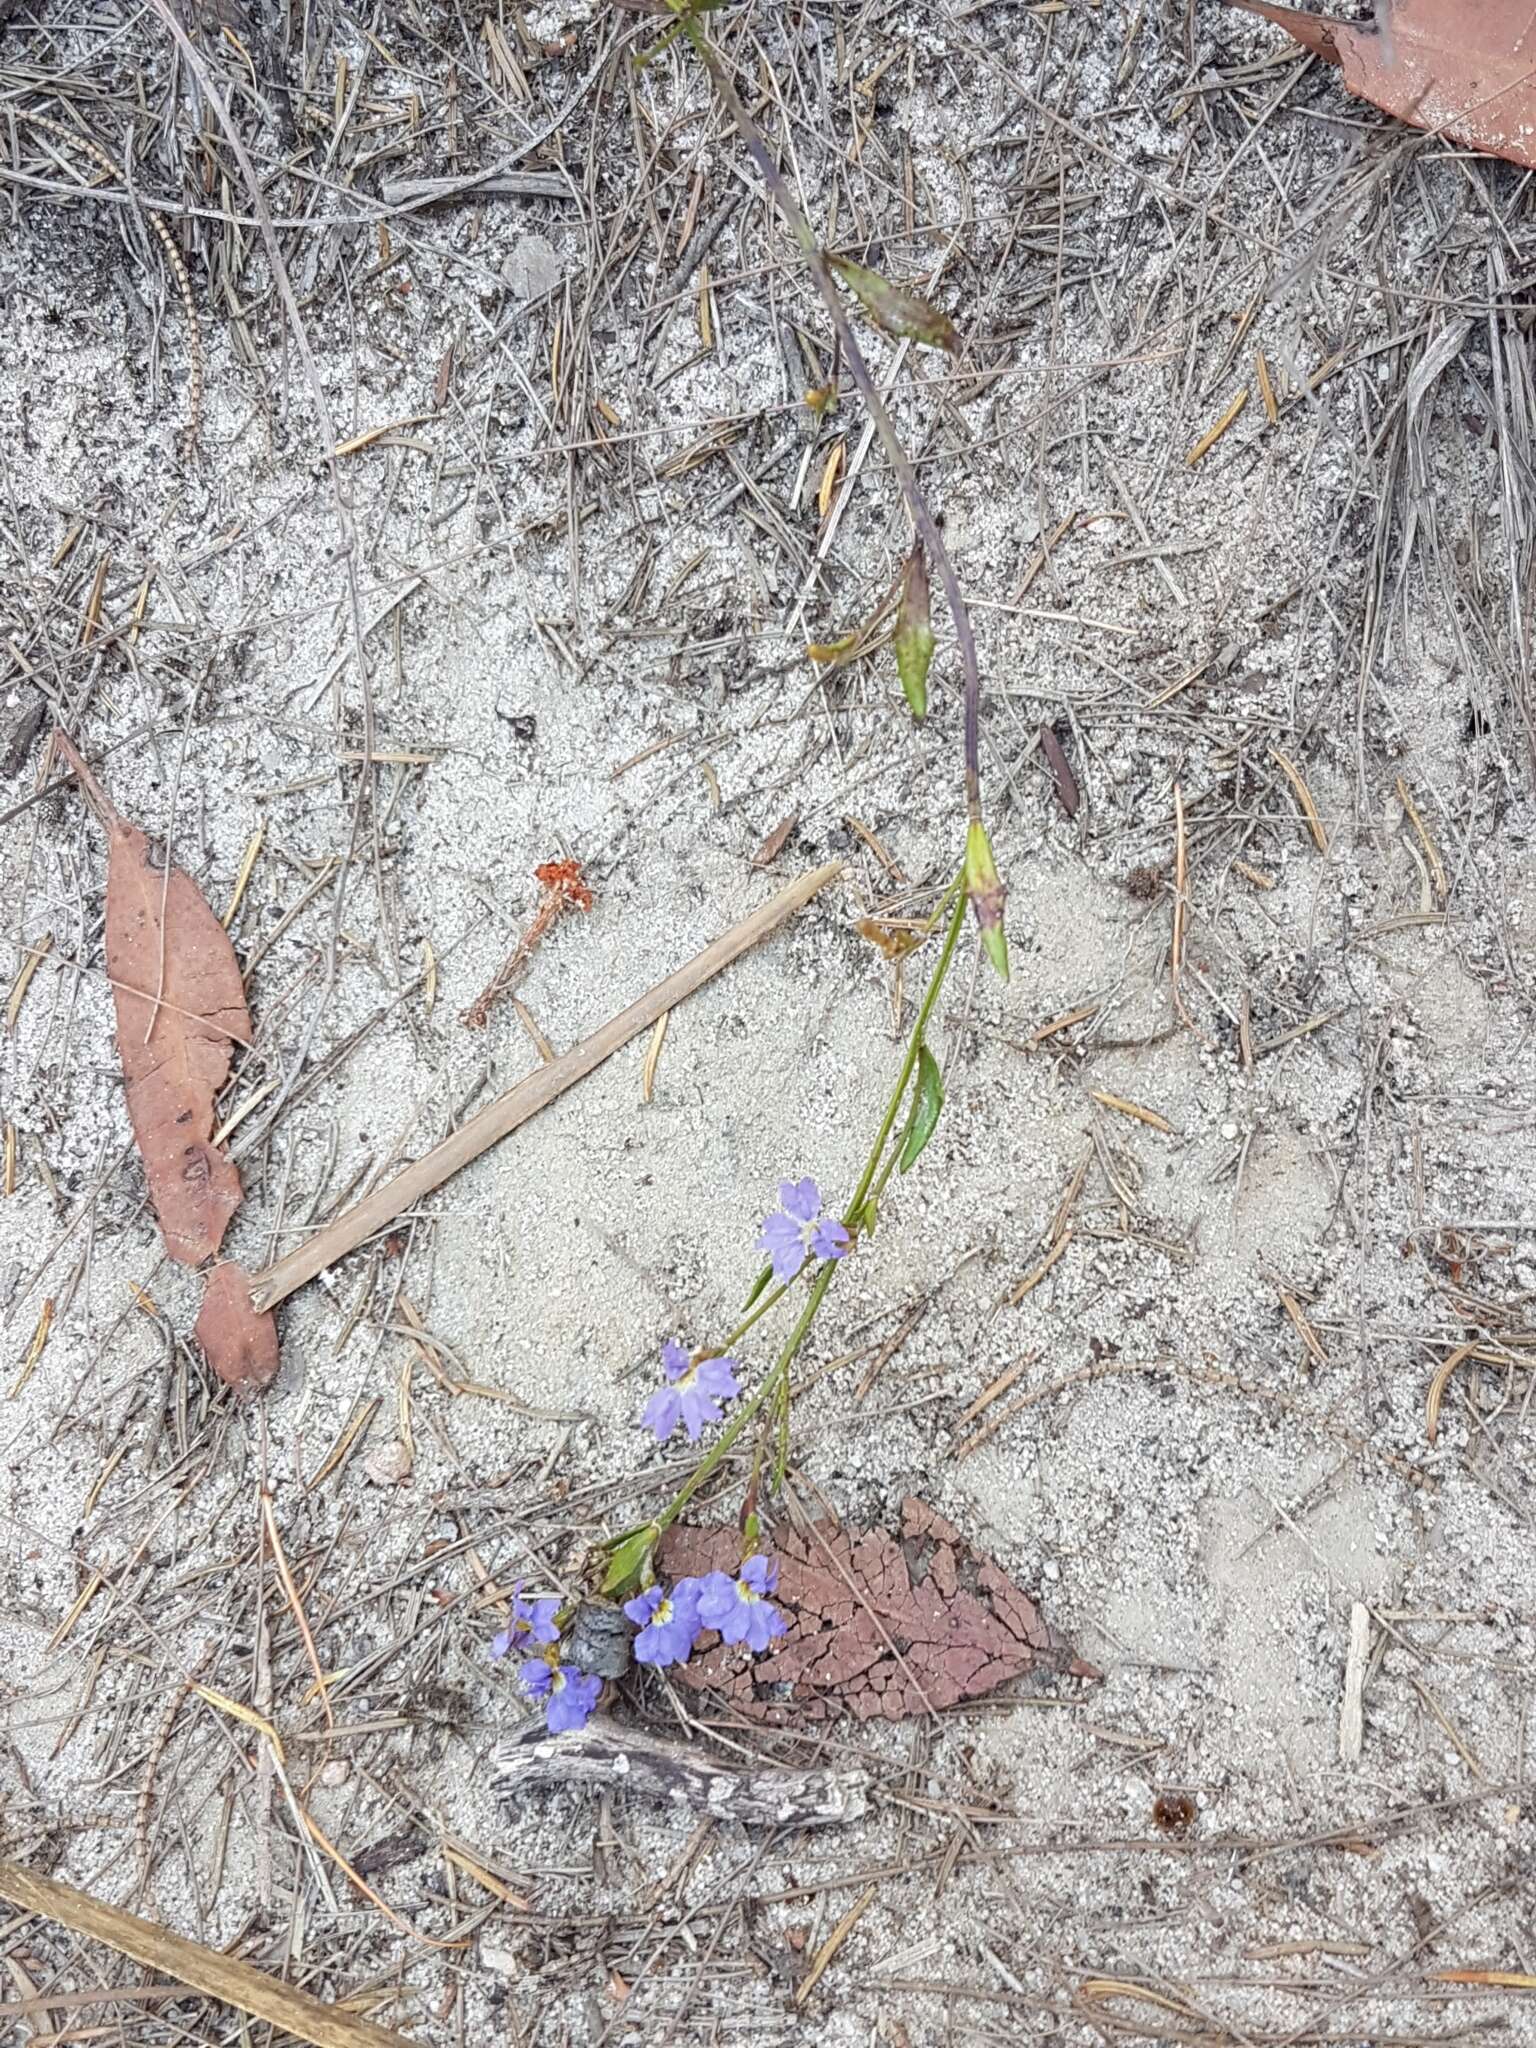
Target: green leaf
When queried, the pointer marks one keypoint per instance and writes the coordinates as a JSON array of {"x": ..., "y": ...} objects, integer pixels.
[
  {"x": 628, "y": 1559},
  {"x": 914, "y": 632},
  {"x": 927, "y": 1101},
  {"x": 897, "y": 311},
  {"x": 757, "y": 1288},
  {"x": 987, "y": 895}
]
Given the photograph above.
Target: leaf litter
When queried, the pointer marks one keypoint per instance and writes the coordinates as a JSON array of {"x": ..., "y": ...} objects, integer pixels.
[
  {"x": 1465, "y": 72},
  {"x": 180, "y": 1007},
  {"x": 881, "y": 1626}
]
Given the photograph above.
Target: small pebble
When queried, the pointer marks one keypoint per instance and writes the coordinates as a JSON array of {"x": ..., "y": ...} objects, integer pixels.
[{"x": 389, "y": 1465}]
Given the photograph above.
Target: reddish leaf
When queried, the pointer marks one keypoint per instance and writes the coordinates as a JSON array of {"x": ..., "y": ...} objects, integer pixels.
[
  {"x": 879, "y": 1626},
  {"x": 776, "y": 841},
  {"x": 1061, "y": 768},
  {"x": 176, "y": 984},
  {"x": 238, "y": 1340},
  {"x": 1465, "y": 69}
]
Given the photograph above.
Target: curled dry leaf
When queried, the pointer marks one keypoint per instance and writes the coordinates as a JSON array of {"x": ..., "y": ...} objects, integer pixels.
[
  {"x": 1465, "y": 69},
  {"x": 180, "y": 1003},
  {"x": 238, "y": 1340},
  {"x": 880, "y": 1626}
]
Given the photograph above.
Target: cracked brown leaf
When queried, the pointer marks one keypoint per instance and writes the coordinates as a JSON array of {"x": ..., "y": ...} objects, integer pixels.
[
  {"x": 180, "y": 1003},
  {"x": 1464, "y": 71},
  {"x": 880, "y": 1626}
]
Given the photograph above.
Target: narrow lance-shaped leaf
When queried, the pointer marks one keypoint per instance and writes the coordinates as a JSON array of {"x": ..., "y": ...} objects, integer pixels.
[
  {"x": 927, "y": 1101},
  {"x": 899, "y": 312},
  {"x": 629, "y": 1558},
  {"x": 754, "y": 1293},
  {"x": 914, "y": 632}
]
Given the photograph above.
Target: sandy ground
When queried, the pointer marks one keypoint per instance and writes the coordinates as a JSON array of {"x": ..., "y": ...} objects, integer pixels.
[{"x": 584, "y": 548}]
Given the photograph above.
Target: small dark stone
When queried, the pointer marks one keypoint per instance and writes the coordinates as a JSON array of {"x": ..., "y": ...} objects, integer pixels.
[
  {"x": 523, "y": 723},
  {"x": 598, "y": 1639}
]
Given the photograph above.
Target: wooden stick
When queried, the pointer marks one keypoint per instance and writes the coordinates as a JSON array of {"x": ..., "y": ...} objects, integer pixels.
[
  {"x": 207, "y": 1970},
  {"x": 525, "y": 1099}
]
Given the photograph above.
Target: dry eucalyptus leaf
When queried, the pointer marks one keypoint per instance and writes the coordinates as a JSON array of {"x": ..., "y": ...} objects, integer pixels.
[
  {"x": 1465, "y": 69},
  {"x": 880, "y": 1626},
  {"x": 180, "y": 1005},
  {"x": 238, "y": 1340}
]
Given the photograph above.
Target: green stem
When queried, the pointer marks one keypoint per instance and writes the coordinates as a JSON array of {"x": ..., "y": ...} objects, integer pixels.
[
  {"x": 770, "y": 1300},
  {"x": 775, "y": 1381},
  {"x": 914, "y": 1047},
  {"x": 777, "y": 1371}
]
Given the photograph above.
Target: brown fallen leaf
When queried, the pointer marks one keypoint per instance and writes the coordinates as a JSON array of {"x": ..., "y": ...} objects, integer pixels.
[
  {"x": 776, "y": 841},
  {"x": 1066, "y": 782},
  {"x": 880, "y": 1626},
  {"x": 1465, "y": 71},
  {"x": 180, "y": 1002},
  {"x": 238, "y": 1340}
]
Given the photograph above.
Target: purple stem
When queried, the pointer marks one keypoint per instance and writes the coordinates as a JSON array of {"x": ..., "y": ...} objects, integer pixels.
[{"x": 917, "y": 505}]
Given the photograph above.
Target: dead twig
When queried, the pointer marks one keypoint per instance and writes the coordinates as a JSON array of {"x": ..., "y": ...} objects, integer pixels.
[
  {"x": 605, "y": 1756},
  {"x": 533, "y": 1093}
]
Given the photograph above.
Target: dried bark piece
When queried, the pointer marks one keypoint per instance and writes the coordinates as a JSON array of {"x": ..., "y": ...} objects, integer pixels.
[
  {"x": 605, "y": 1755},
  {"x": 879, "y": 1626},
  {"x": 1464, "y": 71},
  {"x": 180, "y": 1003},
  {"x": 238, "y": 1340}
]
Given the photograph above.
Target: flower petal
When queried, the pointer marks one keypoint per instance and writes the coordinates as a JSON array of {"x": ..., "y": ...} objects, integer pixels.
[
  {"x": 829, "y": 1239},
  {"x": 718, "y": 1598},
  {"x": 760, "y": 1573},
  {"x": 784, "y": 1243},
  {"x": 661, "y": 1413},
  {"x": 697, "y": 1410},
  {"x": 718, "y": 1380},
  {"x": 541, "y": 1620},
  {"x": 674, "y": 1359},
  {"x": 801, "y": 1199},
  {"x": 571, "y": 1705},
  {"x": 643, "y": 1606},
  {"x": 536, "y": 1678}
]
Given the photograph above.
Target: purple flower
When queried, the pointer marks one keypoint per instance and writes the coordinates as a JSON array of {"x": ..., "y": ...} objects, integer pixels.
[
  {"x": 798, "y": 1229},
  {"x": 533, "y": 1621},
  {"x": 668, "y": 1623},
  {"x": 693, "y": 1393},
  {"x": 568, "y": 1695},
  {"x": 740, "y": 1608}
]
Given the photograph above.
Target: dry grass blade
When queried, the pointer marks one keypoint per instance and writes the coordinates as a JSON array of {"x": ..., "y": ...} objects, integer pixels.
[{"x": 207, "y": 1970}]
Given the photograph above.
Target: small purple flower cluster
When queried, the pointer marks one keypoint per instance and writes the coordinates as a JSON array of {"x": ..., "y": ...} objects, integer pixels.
[
  {"x": 696, "y": 1388},
  {"x": 739, "y": 1610},
  {"x": 568, "y": 1695}
]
